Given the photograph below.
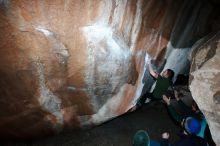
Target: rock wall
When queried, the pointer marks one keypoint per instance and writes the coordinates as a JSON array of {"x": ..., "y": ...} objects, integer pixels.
[
  {"x": 205, "y": 81},
  {"x": 69, "y": 64}
]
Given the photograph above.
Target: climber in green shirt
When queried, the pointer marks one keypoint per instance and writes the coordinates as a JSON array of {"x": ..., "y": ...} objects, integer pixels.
[{"x": 163, "y": 82}]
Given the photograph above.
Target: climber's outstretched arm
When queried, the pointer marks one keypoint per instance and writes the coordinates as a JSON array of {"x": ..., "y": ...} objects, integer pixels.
[{"x": 152, "y": 72}]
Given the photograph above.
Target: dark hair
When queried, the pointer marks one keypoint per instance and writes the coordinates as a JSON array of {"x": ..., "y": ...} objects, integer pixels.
[{"x": 170, "y": 73}]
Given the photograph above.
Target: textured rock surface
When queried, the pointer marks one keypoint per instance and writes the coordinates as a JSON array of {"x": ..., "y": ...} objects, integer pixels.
[
  {"x": 205, "y": 81},
  {"x": 68, "y": 64}
]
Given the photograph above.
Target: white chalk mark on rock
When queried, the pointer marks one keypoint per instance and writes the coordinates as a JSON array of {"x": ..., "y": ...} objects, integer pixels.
[
  {"x": 49, "y": 102},
  {"x": 58, "y": 47}
]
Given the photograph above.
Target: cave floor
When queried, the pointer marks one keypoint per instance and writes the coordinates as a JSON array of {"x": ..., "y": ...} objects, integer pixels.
[{"x": 152, "y": 117}]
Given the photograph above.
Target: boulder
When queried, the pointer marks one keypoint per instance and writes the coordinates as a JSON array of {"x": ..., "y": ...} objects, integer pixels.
[
  {"x": 71, "y": 64},
  {"x": 205, "y": 81}
]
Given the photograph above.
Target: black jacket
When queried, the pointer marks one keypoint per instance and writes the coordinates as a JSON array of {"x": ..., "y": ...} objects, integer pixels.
[{"x": 186, "y": 140}]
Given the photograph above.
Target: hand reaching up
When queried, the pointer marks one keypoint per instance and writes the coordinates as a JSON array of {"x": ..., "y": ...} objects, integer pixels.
[
  {"x": 166, "y": 99},
  {"x": 165, "y": 135}
]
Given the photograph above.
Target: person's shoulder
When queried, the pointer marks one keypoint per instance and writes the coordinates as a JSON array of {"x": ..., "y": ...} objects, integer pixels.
[{"x": 160, "y": 77}]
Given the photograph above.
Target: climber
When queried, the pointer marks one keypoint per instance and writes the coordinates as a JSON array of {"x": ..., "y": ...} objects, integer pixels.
[
  {"x": 188, "y": 112},
  {"x": 191, "y": 128},
  {"x": 163, "y": 82}
]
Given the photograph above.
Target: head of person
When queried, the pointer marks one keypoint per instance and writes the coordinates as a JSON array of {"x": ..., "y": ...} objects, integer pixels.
[
  {"x": 168, "y": 73},
  {"x": 191, "y": 125},
  {"x": 141, "y": 138}
]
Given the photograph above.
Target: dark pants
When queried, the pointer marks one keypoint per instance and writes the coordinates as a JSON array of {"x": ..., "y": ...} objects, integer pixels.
[{"x": 145, "y": 96}]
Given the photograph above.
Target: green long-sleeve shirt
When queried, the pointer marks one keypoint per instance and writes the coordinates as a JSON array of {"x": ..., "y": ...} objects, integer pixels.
[{"x": 161, "y": 87}]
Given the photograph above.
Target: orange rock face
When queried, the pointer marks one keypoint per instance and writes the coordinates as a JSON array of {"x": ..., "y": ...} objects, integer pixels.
[{"x": 67, "y": 64}]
